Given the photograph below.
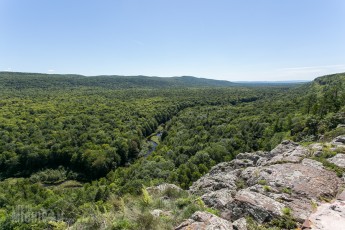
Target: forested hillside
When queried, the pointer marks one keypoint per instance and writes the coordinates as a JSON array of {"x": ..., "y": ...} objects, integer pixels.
[
  {"x": 82, "y": 145},
  {"x": 15, "y": 80}
]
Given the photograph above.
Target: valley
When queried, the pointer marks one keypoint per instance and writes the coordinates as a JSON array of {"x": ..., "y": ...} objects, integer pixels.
[{"x": 116, "y": 152}]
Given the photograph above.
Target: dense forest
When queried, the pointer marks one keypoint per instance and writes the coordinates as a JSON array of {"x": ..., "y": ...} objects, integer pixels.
[{"x": 87, "y": 147}]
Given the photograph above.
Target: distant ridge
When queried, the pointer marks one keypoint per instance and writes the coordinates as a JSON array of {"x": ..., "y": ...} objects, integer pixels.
[
  {"x": 20, "y": 80},
  {"x": 274, "y": 82}
]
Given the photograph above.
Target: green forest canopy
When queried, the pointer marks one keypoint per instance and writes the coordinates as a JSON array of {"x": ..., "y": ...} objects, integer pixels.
[{"x": 57, "y": 128}]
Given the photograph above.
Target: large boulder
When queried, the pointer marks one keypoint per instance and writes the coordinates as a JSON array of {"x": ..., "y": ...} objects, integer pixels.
[{"x": 205, "y": 221}]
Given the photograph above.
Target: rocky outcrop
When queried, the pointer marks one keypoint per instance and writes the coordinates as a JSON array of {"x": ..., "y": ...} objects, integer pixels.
[
  {"x": 218, "y": 199},
  {"x": 295, "y": 185},
  {"x": 205, "y": 221},
  {"x": 259, "y": 206},
  {"x": 263, "y": 184},
  {"x": 219, "y": 177},
  {"x": 312, "y": 163},
  {"x": 338, "y": 160},
  {"x": 287, "y": 151},
  {"x": 328, "y": 216}
]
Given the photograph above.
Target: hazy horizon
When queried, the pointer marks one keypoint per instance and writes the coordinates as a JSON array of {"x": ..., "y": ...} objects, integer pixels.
[
  {"x": 224, "y": 40},
  {"x": 140, "y": 75}
]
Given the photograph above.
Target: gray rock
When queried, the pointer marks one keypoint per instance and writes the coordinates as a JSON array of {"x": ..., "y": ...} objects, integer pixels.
[
  {"x": 241, "y": 163},
  {"x": 317, "y": 153},
  {"x": 316, "y": 149},
  {"x": 254, "y": 157},
  {"x": 304, "y": 180},
  {"x": 294, "y": 185},
  {"x": 284, "y": 177},
  {"x": 205, "y": 221},
  {"x": 312, "y": 163},
  {"x": 328, "y": 216},
  {"x": 248, "y": 173},
  {"x": 338, "y": 160},
  {"x": 287, "y": 151},
  {"x": 221, "y": 176},
  {"x": 240, "y": 224},
  {"x": 340, "y": 140},
  {"x": 219, "y": 199},
  {"x": 341, "y": 196},
  {"x": 260, "y": 207}
]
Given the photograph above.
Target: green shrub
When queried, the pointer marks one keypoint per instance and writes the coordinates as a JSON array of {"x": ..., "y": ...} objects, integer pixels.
[
  {"x": 286, "y": 221},
  {"x": 183, "y": 202},
  {"x": 189, "y": 210},
  {"x": 146, "y": 198},
  {"x": 173, "y": 193},
  {"x": 123, "y": 224},
  {"x": 240, "y": 184},
  {"x": 267, "y": 188},
  {"x": 213, "y": 211},
  {"x": 146, "y": 221},
  {"x": 49, "y": 176},
  {"x": 262, "y": 182},
  {"x": 287, "y": 211},
  {"x": 287, "y": 190}
]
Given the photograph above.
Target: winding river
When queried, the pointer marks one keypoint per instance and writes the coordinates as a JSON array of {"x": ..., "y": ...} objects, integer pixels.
[{"x": 152, "y": 144}]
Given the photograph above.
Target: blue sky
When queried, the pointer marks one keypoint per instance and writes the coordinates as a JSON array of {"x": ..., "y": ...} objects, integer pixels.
[{"x": 220, "y": 39}]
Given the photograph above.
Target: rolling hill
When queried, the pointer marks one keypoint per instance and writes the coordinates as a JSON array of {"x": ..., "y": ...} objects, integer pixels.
[{"x": 16, "y": 80}]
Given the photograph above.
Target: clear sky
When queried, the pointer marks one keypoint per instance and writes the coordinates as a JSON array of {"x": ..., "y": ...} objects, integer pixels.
[{"x": 220, "y": 39}]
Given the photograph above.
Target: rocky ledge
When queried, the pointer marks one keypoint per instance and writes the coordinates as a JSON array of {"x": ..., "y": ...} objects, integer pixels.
[
  {"x": 268, "y": 185},
  {"x": 204, "y": 220}
]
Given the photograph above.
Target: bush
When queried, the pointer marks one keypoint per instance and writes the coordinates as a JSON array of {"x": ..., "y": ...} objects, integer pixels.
[
  {"x": 190, "y": 210},
  {"x": 267, "y": 188},
  {"x": 262, "y": 182},
  {"x": 146, "y": 199},
  {"x": 49, "y": 176},
  {"x": 240, "y": 184},
  {"x": 287, "y": 190},
  {"x": 286, "y": 221},
  {"x": 146, "y": 221},
  {"x": 172, "y": 192},
  {"x": 123, "y": 224},
  {"x": 183, "y": 202}
]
